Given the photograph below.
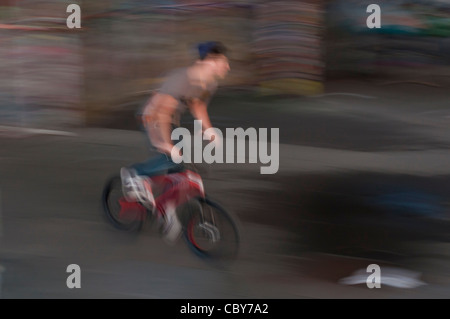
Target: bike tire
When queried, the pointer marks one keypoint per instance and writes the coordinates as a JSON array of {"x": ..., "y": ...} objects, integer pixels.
[
  {"x": 210, "y": 231},
  {"x": 112, "y": 197}
]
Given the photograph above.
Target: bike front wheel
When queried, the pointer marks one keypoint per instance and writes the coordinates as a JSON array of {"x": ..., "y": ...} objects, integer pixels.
[
  {"x": 123, "y": 215},
  {"x": 210, "y": 231}
]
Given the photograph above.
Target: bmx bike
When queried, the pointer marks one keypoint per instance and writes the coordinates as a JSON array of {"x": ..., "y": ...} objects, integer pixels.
[{"x": 209, "y": 230}]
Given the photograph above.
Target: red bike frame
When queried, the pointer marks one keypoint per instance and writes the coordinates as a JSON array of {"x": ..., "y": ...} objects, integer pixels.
[{"x": 177, "y": 189}]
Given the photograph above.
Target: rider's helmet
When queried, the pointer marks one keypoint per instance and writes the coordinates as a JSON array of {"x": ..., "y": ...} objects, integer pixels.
[{"x": 210, "y": 47}]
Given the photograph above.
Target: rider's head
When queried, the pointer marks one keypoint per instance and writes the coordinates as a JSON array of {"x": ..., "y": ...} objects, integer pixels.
[{"x": 215, "y": 53}]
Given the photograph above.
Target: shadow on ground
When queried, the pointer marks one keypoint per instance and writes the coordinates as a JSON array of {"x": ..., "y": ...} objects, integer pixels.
[{"x": 355, "y": 214}]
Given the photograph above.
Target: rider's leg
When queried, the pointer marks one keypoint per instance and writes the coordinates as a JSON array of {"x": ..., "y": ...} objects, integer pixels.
[
  {"x": 172, "y": 227},
  {"x": 133, "y": 177},
  {"x": 160, "y": 164}
]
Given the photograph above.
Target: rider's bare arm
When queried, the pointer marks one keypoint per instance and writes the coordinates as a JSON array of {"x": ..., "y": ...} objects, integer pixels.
[{"x": 199, "y": 110}]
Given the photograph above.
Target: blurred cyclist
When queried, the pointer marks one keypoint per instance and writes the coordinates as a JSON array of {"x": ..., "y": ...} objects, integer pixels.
[{"x": 186, "y": 88}]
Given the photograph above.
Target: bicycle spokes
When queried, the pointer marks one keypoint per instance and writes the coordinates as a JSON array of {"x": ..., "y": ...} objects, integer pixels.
[{"x": 211, "y": 230}]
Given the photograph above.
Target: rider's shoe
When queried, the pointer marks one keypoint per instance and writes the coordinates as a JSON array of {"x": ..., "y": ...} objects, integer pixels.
[
  {"x": 128, "y": 177},
  {"x": 172, "y": 228},
  {"x": 133, "y": 188}
]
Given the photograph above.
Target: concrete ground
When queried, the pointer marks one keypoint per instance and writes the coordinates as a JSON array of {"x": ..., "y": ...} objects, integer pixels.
[{"x": 363, "y": 178}]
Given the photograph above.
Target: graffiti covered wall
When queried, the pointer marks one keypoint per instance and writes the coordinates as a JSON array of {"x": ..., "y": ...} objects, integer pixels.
[
  {"x": 414, "y": 39},
  {"x": 55, "y": 77},
  {"x": 41, "y": 65}
]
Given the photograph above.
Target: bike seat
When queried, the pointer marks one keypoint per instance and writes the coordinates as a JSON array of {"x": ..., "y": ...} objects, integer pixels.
[{"x": 176, "y": 169}]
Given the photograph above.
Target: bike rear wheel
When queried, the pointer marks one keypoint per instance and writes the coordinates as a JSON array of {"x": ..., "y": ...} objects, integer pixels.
[
  {"x": 210, "y": 231},
  {"x": 123, "y": 215}
]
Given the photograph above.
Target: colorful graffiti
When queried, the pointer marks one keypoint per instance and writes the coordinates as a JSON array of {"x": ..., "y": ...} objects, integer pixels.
[{"x": 413, "y": 34}]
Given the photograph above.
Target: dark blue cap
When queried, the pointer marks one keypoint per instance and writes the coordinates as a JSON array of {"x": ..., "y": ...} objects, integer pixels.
[{"x": 210, "y": 47}]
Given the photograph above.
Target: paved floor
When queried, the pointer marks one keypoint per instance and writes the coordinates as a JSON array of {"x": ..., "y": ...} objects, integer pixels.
[{"x": 360, "y": 182}]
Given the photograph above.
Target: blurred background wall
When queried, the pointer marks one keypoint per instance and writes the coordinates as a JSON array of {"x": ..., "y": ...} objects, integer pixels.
[
  {"x": 413, "y": 42},
  {"x": 41, "y": 65},
  {"x": 55, "y": 77}
]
